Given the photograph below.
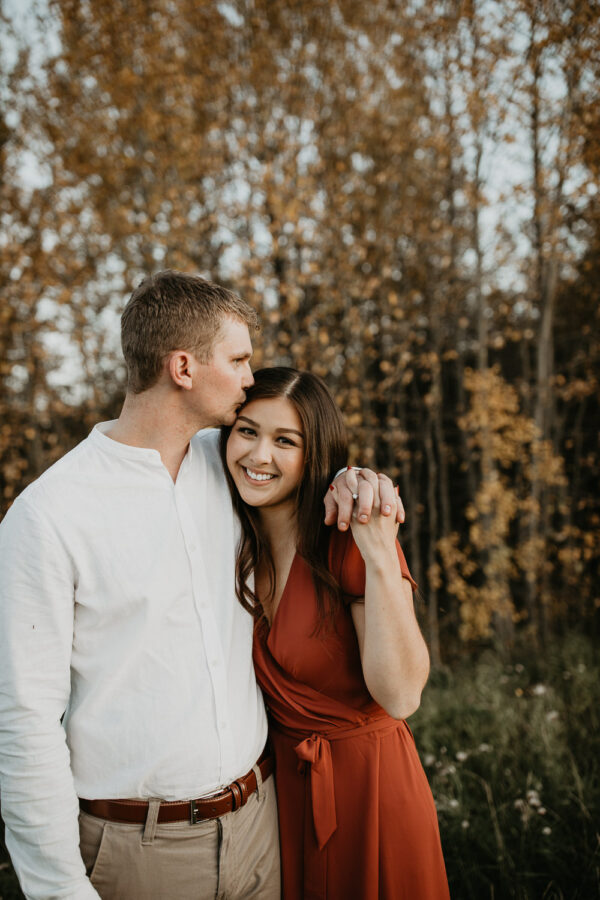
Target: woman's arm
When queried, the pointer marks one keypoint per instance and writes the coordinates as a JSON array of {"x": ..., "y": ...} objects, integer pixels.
[{"x": 394, "y": 655}]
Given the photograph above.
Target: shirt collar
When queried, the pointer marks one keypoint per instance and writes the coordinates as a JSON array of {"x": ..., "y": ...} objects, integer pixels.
[{"x": 99, "y": 437}]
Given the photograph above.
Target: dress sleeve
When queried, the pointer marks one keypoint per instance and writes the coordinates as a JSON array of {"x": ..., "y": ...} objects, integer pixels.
[{"x": 348, "y": 568}]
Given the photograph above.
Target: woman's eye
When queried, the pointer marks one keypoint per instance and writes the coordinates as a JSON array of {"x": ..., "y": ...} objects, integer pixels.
[{"x": 243, "y": 429}]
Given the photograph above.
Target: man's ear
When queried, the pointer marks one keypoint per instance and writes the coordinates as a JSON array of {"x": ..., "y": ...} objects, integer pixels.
[{"x": 181, "y": 366}]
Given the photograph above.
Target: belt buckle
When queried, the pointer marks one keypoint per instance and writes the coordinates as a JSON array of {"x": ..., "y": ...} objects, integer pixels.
[
  {"x": 239, "y": 795},
  {"x": 195, "y": 817},
  {"x": 193, "y": 813}
]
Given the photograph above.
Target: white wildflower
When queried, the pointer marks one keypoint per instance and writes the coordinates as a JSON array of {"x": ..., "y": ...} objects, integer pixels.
[
  {"x": 539, "y": 690},
  {"x": 546, "y": 830},
  {"x": 552, "y": 715},
  {"x": 464, "y": 824},
  {"x": 519, "y": 668},
  {"x": 462, "y": 755},
  {"x": 484, "y": 748}
]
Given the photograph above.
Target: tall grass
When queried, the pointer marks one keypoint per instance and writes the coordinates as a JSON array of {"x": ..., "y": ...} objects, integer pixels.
[{"x": 512, "y": 752}]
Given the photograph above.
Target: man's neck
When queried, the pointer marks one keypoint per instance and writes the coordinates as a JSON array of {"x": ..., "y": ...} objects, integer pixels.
[{"x": 148, "y": 421}]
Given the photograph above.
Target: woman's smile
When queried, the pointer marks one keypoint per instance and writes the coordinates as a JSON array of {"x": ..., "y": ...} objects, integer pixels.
[{"x": 260, "y": 477}]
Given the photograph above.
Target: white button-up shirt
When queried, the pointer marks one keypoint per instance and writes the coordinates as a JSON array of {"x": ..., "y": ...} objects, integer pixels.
[{"x": 118, "y": 609}]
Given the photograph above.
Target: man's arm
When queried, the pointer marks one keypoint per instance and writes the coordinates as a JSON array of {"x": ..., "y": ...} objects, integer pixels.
[
  {"x": 39, "y": 804},
  {"x": 339, "y": 500}
]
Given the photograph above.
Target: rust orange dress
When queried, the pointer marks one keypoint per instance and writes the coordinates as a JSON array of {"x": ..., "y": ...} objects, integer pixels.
[{"x": 356, "y": 816}]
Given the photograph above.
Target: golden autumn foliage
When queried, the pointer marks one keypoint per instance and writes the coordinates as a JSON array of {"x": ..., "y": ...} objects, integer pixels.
[
  {"x": 503, "y": 506},
  {"x": 337, "y": 164}
]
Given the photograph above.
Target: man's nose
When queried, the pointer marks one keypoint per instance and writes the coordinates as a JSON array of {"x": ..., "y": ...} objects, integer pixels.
[{"x": 248, "y": 379}]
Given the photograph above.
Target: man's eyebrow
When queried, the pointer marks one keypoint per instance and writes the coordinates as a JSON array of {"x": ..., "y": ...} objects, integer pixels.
[
  {"x": 277, "y": 430},
  {"x": 241, "y": 354}
]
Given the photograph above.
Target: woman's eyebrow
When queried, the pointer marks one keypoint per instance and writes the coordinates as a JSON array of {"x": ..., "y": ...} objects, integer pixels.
[
  {"x": 256, "y": 425},
  {"x": 291, "y": 430}
]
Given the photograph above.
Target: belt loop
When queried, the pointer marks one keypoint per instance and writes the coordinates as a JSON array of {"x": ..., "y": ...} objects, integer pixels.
[
  {"x": 151, "y": 820},
  {"x": 259, "y": 782}
]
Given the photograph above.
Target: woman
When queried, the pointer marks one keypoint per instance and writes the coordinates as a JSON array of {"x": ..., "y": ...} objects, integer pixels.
[{"x": 337, "y": 652}]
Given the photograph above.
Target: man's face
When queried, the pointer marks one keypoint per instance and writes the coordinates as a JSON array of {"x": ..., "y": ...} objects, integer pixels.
[{"x": 220, "y": 383}]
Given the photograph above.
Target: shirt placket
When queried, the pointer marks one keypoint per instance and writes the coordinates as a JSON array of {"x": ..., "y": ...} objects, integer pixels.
[{"x": 203, "y": 603}]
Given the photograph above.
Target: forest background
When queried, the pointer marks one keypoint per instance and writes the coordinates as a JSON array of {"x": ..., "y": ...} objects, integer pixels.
[{"x": 408, "y": 193}]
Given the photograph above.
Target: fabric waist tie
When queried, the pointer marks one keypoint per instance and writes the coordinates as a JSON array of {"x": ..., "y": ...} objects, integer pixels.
[{"x": 315, "y": 749}]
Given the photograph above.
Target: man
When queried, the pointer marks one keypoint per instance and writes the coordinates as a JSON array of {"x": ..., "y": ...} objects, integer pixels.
[{"x": 118, "y": 614}]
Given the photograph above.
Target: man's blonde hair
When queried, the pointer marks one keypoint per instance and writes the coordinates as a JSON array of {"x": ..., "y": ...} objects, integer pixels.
[{"x": 174, "y": 311}]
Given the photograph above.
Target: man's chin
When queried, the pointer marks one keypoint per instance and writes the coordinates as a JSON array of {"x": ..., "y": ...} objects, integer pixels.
[
  {"x": 226, "y": 418},
  {"x": 231, "y": 417}
]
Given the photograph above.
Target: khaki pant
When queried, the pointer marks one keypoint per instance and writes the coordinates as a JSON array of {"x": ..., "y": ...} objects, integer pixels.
[{"x": 234, "y": 856}]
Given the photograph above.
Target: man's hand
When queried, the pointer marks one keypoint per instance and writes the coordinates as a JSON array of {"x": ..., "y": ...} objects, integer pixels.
[{"x": 366, "y": 485}]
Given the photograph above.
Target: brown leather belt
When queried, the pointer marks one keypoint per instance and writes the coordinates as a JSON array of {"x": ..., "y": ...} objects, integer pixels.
[{"x": 229, "y": 799}]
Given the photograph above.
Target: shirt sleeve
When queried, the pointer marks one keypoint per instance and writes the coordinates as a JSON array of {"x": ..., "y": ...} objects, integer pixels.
[
  {"x": 348, "y": 567},
  {"x": 39, "y": 804}
]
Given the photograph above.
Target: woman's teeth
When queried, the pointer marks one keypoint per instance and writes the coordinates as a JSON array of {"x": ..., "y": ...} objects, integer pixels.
[{"x": 258, "y": 476}]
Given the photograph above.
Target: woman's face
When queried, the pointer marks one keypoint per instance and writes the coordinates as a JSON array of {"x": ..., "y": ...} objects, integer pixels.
[{"x": 265, "y": 452}]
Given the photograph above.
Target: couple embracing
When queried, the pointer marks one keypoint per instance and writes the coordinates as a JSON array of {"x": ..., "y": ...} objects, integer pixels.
[{"x": 164, "y": 581}]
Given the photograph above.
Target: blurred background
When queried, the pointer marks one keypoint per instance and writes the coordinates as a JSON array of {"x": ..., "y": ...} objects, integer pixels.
[{"x": 408, "y": 193}]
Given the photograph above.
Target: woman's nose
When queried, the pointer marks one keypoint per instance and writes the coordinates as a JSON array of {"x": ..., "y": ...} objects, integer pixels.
[{"x": 261, "y": 452}]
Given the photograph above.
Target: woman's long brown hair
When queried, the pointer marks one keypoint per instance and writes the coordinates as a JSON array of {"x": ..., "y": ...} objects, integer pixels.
[{"x": 326, "y": 451}]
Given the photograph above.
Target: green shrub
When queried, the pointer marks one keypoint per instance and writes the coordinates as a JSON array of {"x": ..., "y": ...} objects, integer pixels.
[{"x": 512, "y": 753}]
